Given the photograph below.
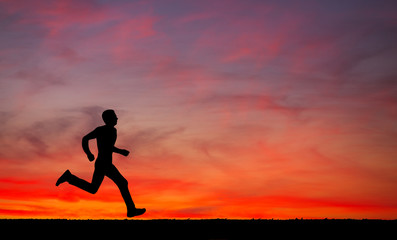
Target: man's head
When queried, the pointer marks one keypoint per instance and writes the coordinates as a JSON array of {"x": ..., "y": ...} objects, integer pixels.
[{"x": 109, "y": 117}]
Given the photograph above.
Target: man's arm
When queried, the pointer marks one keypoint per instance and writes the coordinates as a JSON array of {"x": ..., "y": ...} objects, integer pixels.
[
  {"x": 85, "y": 145},
  {"x": 121, "y": 151}
]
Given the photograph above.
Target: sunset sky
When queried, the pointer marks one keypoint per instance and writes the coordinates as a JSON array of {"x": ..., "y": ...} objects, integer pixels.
[{"x": 231, "y": 109}]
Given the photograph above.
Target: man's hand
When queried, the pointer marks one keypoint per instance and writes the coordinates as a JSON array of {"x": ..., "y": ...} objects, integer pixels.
[
  {"x": 91, "y": 157},
  {"x": 124, "y": 152}
]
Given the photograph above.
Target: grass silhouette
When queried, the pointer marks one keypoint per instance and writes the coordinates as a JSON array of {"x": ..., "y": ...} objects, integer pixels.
[{"x": 197, "y": 229}]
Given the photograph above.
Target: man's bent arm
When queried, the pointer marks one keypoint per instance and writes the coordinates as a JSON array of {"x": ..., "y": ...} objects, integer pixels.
[
  {"x": 116, "y": 150},
  {"x": 84, "y": 144},
  {"x": 120, "y": 151}
]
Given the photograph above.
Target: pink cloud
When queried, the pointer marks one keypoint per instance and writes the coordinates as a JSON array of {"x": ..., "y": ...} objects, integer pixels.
[
  {"x": 193, "y": 17},
  {"x": 127, "y": 33}
]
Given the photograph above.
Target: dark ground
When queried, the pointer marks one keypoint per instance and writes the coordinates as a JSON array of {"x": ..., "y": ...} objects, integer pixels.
[{"x": 198, "y": 229}]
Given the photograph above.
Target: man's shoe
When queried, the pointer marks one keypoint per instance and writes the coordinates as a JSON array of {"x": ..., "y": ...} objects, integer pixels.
[
  {"x": 65, "y": 176},
  {"x": 136, "y": 212}
]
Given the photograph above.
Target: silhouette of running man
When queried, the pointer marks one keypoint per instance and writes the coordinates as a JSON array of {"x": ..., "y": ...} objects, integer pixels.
[{"x": 106, "y": 138}]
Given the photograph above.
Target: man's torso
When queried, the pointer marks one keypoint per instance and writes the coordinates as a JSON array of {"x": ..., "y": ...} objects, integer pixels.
[{"x": 106, "y": 138}]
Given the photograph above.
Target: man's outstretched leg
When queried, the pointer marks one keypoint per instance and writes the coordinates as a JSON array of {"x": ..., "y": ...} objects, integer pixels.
[
  {"x": 92, "y": 187},
  {"x": 122, "y": 184}
]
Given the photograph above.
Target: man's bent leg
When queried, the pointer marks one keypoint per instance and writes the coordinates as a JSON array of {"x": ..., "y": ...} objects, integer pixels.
[
  {"x": 122, "y": 184},
  {"x": 92, "y": 187}
]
